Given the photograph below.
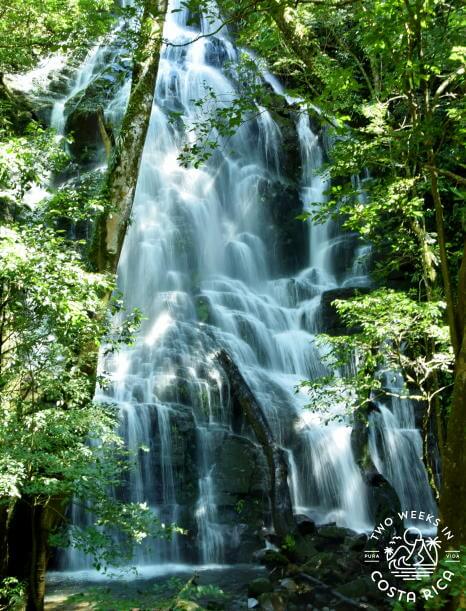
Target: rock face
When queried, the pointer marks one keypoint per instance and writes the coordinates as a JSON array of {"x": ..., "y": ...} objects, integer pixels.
[
  {"x": 241, "y": 485},
  {"x": 281, "y": 201},
  {"x": 288, "y": 236},
  {"x": 279, "y": 494},
  {"x": 85, "y": 112},
  {"x": 330, "y": 320},
  {"x": 383, "y": 500},
  {"x": 239, "y": 473},
  {"x": 47, "y": 87}
]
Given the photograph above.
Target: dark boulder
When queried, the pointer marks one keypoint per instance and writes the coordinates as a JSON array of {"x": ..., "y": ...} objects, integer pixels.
[
  {"x": 383, "y": 501},
  {"x": 82, "y": 121},
  {"x": 330, "y": 320},
  {"x": 333, "y": 534},
  {"x": 288, "y": 236},
  {"x": 359, "y": 435},
  {"x": 273, "y": 558},
  {"x": 259, "y": 586},
  {"x": 305, "y": 525},
  {"x": 356, "y": 543},
  {"x": 240, "y": 468},
  {"x": 306, "y": 548},
  {"x": 359, "y": 587},
  {"x": 85, "y": 112},
  {"x": 272, "y": 601}
]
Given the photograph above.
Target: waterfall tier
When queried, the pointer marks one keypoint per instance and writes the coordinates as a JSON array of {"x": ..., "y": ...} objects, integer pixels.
[{"x": 209, "y": 268}]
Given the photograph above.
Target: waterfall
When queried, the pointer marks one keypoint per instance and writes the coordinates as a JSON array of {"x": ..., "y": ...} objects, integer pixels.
[
  {"x": 99, "y": 58},
  {"x": 204, "y": 263},
  {"x": 395, "y": 445}
]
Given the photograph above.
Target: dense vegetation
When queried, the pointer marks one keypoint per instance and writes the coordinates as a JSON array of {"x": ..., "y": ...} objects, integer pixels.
[
  {"x": 56, "y": 313},
  {"x": 387, "y": 78}
]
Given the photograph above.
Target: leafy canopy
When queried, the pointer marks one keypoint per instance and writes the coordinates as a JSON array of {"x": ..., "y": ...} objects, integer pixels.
[{"x": 31, "y": 29}]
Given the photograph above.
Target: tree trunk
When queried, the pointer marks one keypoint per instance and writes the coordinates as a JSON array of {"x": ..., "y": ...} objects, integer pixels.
[
  {"x": 440, "y": 226},
  {"x": 282, "y": 512},
  {"x": 36, "y": 590},
  {"x": 453, "y": 493},
  {"x": 5, "y": 513},
  {"x": 44, "y": 518},
  {"x": 124, "y": 165},
  {"x": 5, "y": 517}
]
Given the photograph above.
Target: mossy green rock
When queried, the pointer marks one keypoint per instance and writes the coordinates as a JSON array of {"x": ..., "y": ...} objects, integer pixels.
[
  {"x": 305, "y": 549},
  {"x": 272, "y": 601},
  {"x": 259, "y": 586},
  {"x": 362, "y": 586},
  {"x": 274, "y": 558}
]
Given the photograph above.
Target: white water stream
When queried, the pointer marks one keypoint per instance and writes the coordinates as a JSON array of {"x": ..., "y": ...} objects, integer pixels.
[{"x": 203, "y": 236}]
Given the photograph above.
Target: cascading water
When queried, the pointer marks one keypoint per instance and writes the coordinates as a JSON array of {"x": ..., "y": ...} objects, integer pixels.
[
  {"x": 395, "y": 445},
  {"x": 198, "y": 262}
]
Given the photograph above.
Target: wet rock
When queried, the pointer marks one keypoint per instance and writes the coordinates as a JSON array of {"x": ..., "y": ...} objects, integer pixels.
[
  {"x": 269, "y": 535},
  {"x": 383, "y": 501},
  {"x": 359, "y": 436},
  {"x": 288, "y": 237},
  {"x": 321, "y": 561},
  {"x": 9, "y": 208},
  {"x": 253, "y": 603},
  {"x": 60, "y": 84},
  {"x": 288, "y": 584},
  {"x": 82, "y": 111},
  {"x": 203, "y": 309},
  {"x": 16, "y": 107},
  {"x": 272, "y": 601},
  {"x": 291, "y": 162},
  {"x": 357, "y": 543},
  {"x": 293, "y": 569},
  {"x": 216, "y": 52},
  {"x": 341, "y": 251},
  {"x": 259, "y": 586},
  {"x": 84, "y": 125},
  {"x": 305, "y": 525},
  {"x": 335, "y": 534},
  {"x": 358, "y": 588},
  {"x": 330, "y": 321},
  {"x": 273, "y": 558},
  {"x": 307, "y": 548},
  {"x": 260, "y": 554},
  {"x": 240, "y": 466}
]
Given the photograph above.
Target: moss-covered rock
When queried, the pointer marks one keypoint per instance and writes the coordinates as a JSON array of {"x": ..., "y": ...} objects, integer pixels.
[
  {"x": 203, "y": 309},
  {"x": 305, "y": 549},
  {"x": 15, "y": 109},
  {"x": 272, "y": 601},
  {"x": 274, "y": 558},
  {"x": 259, "y": 586}
]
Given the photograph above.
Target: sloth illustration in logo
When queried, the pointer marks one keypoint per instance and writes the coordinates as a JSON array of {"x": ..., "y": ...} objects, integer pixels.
[{"x": 412, "y": 557}]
